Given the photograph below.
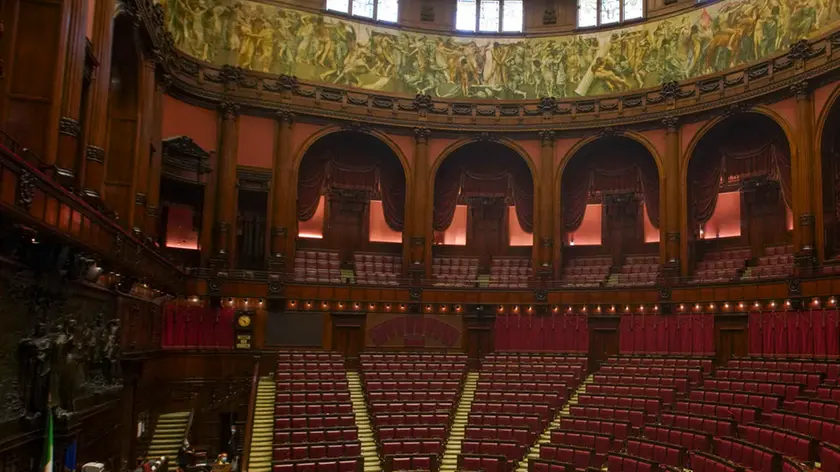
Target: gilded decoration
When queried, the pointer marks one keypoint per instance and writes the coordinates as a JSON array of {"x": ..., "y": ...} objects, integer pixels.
[{"x": 320, "y": 48}]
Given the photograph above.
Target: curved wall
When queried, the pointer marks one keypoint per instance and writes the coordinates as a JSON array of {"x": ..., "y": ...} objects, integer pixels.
[{"x": 321, "y": 48}]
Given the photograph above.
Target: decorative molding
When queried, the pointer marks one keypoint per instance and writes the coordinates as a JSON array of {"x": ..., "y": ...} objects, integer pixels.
[
  {"x": 547, "y": 137},
  {"x": 484, "y": 136},
  {"x": 213, "y": 284},
  {"x": 26, "y": 190},
  {"x": 69, "y": 127},
  {"x": 95, "y": 154},
  {"x": 152, "y": 211},
  {"x": 140, "y": 199},
  {"x": 800, "y": 90},
  {"x": 284, "y": 116},
  {"x": 422, "y": 102},
  {"x": 549, "y": 17},
  {"x": 794, "y": 287},
  {"x": 418, "y": 241},
  {"x": 547, "y": 104},
  {"x": 421, "y": 135},
  {"x": 608, "y": 131},
  {"x": 671, "y": 123},
  {"x": 541, "y": 294},
  {"x": 664, "y": 293},
  {"x": 800, "y": 50},
  {"x": 547, "y": 241},
  {"x": 118, "y": 245},
  {"x": 279, "y": 231},
  {"x": 275, "y": 287},
  {"x": 230, "y": 110},
  {"x": 357, "y": 126},
  {"x": 672, "y": 236},
  {"x": 255, "y": 179},
  {"x": 427, "y": 12},
  {"x": 415, "y": 293},
  {"x": 807, "y": 219}
]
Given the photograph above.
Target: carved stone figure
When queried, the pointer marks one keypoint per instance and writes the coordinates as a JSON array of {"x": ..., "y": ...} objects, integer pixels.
[
  {"x": 110, "y": 353},
  {"x": 34, "y": 355},
  {"x": 64, "y": 378}
]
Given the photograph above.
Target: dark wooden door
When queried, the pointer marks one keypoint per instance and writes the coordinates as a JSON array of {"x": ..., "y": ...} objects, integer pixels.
[
  {"x": 603, "y": 343},
  {"x": 347, "y": 340},
  {"x": 479, "y": 342},
  {"x": 731, "y": 343},
  {"x": 487, "y": 235}
]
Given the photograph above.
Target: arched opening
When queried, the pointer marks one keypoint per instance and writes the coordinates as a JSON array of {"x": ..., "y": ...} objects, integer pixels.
[
  {"x": 830, "y": 160},
  {"x": 483, "y": 218},
  {"x": 739, "y": 201},
  {"x": 351, "y": 211},
  {"x": 610, "y": 213},
  {"x": 124, "y": 119}
]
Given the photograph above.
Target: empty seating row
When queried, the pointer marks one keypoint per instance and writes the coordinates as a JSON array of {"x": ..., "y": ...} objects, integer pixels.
[
  {"x": 726, "y": 254},
  {"x": 312, "y": 397},
  {"x": 454, "y": 270},
  {"x": 587, "y": 270},
  {"x": 311, "y": 386},
  {"x": 666, "y": 361},
  {"x": 680, "y": 384},
  {"x": 438, "y": 385},
  {"x": 315, "y": 376},
  {"x": 411, "y": 396},
  {"x": 548, "y": 465},
  {"x": 412, "y": 432},
  {"x": 312, "y": 409},
  {"x": 309, "y": 366},
  {"x": 829, "y": 393},
  {"x": 687, "y": 438},
  {"x": 765, "y": 402},
  {"x": 617, "y": 462},
  {"x": 816, "y": 407},
  {"x": 784, "y": 390},
  {"x": 405, "y": 407},
  {"x": 667, "y": 394},
  {"x": 548, "y": 368},
  {"x": 693, "y": 373},
  {"x": 580, "y": 457},
  {"x": 314, "y": 422},
  {"x": 792, "y": 444},
  {"x": 513, "y": 386},
  {"x": 552, "y": 399},
  {"x": 455, "y": 261},
  {"x": 456, "y": 280},
  {"x": 411, "y": 357},
  {"x": 532, "y": 422},
  {"x": 541, "y": 357},
  {"x": 482, "y": 463},
  {"x": 590, "y": 261},
  {"x": 522, "y": 435},
  {"x": 376, "y": 257},
  {"x": 830, "y": 457},
  {"x": 636, "y": 279},
  {"x": 707, "y": 424},
  {"x": 418, "y": 366},
  {"x": 411, "y": 462},
  {"x": 543, "y": 410},
  {"x": 663, "y": 453},
  {"x": 347, "y": 464},
  {"x": 751, "y": 456},
  {"x": 308, "y": 356},
  {"x": 741, "y": 414},
  {"x": 819, "y": 428},
  {"x": 511, "y": 450},
  {"x": 398, "y": 419},
  {"x": 637, "y": 268},
  {"x": 317, "y": 451},
  {"x": 651, "y": 405},
  {"x": 720, "y": 264},
  {"x": 831, "y": 369},
  {"x": 410, "y": 446},
  {"x": 705, "y": 462},
  {"x": 601, "y": 443},
  {"x": 315, "y": 435},
  {"x": 412, "y": 375},
  {"x": 811, "y": 380},
  {"x": 567, "y": 378},
  {"x": 636, "y": 417},
  {"x": 619, "y": 429}
]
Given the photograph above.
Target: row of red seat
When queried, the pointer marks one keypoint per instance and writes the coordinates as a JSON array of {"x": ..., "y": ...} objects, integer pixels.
[
  {"x": 829, "y": 457},
  {"x": 538, "y": 357},
  {"x": 313, "y": 409},
  {"x": 317, "y": 451},
  {"x": 567, "y": 378},
  {"x": 694, "y": 374},
  {"x": 396, "y": 375},
  {"x": 636, "y": 417},
  {"x": 663, "y": 453},
  {"x": 815, "y": 407},
  {"x": 601, "y": 443},
  {"x": 706, "y": 424},
  {"x": 404, "y": 385},
  {"x": 320, "y": 366},
  {"x": 741, "y": 414},
  {"x": 785, "y": 390},
  {"x": 580, "y": 457},
  {"x": 532, "y": 422},
  {"x": 482, "y": 463},
  {"x": 649, "y": 405},
  {"x": 312, "y": 397},
  {"x": 800, "y": 446},
  {"x": 410, "y": 446},
  {"x": 412, "y": 357},
  {"x": 680, "y": 384},
  {"x": 751, "y": 456},
  {"x": 311, "y": 386},
  {"x": 705, "y": 364},
  {"x": 412, "y": 396},
  {"x": 553, "y": 399},
  {"x": 765, "y": 402},
  {"x": 398, "y": 462},
  {"x": 830, "y": 368},
  {"x": 667, "y": 394},
  {"x": 405, "y": 366},
  {"x": 548, "y": 465},
  {"x": 619, "y": 429},
  {"x": 687, "y": 438},
  {"x": 400, "y": 419},
  {"x": 314, "y": 422},
  {"x": 540, "y": 367},
  {"x": 488, "y": 385},
  {"x": 829, "y": 393},
  {"x": 315, "y": 435},
  {"x": 811, "y": 380},
  {"x": 617, "y": 462},
  {"x": 410, "y": 407},
  {"x": 412, "y": 432},
  {"x": 310, "y": 375},
  {"x": 347, "y": 464},
  {"x": 509, "y": 449},
  {"x": 819, "y": 428},
  {"x": 305, "y": 356},
  {"x": 522, "y": 435},
  {"x": 705, "y": 462},
  {"x": 542, "y": 410}
]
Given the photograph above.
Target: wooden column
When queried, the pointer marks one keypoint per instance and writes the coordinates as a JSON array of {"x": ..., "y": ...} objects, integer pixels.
[
  {"x": 283, "y": 211},
  {"x": 544, "y": 226},
  {"x": 671, "y": 219},
  {"x": 155, "y": 166},
  {"x": 144, "y": 154},
  {"x": 69, "y": 131},
  {"x": 225, "y": 206},
  {"x": 418, "y": 223},
  {"x": 103, "y": 33},
  {"x": 802, "y": 171}
]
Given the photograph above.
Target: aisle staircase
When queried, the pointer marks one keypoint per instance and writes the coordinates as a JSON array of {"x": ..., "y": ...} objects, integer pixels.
[
  {"x": 545, "y": 438},
  {"x": 357, "y": 397},
  {"x": 449, "y": 462},
  {"x": 262, "y": 432},
  {"x": 169, "y": 434}
]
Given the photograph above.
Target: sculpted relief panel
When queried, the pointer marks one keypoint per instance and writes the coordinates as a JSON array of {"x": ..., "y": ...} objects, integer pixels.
[{"x": 318, "y": 48}]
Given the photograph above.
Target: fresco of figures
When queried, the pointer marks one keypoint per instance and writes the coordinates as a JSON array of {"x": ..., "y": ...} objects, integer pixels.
[{"x": 326, "y": 49}]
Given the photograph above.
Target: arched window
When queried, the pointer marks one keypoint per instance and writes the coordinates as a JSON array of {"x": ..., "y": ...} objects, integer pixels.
[
  {"x": 489, "y": 16},
  {"x": 608, "y": 12},
  {"x": 379, "y": 10}
]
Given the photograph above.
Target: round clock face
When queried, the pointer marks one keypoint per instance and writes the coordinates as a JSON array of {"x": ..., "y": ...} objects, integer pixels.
[{"x": 244, "y": 321}]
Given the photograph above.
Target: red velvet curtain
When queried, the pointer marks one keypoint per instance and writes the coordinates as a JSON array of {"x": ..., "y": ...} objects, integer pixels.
[
  {"x": 554, "y": 333},
  {"x": 357, "y": 163},
  {"x": 691, "y": 334},
  {"x": 193, "y": 326},
  {"x": 806, "y": 333},
  {"x": 615, "y": 166},
  {"x": 484, "y": 170}
]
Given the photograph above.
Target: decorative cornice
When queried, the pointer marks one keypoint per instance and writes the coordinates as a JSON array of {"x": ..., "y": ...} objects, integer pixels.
[
  {"x": 69, "y": 127},
  {"x": 547, "y": 104},
  {"x": 485, "y": 136},
  {"x": 284, "y": 116},
  {"x": 229, "y": 110},
  {"x": 800, "y": 90},
  {"x": 421, "y": 135},
  {"x": 671, "y": 123},
  {"x": 357, "y": 126},
  {"x": 547, "y": 137},
  {"x": 422, "y": 102}
]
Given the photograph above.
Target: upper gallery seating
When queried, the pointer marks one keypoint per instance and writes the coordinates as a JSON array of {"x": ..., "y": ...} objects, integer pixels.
[
  {"x": 721, "y": 265},
  {"x": 510, "y": 272},
  {"x": 317, "y": 266},
  {"x": 411, "y": 397},
  {"x": 517, "y": 395},
  {"x": 377, "y": 269},
  {"x": 637, "y": 271},
  {"x": 586, "y": 271},
  {"x": 314, "y": 425},
  {"x": 776, "y": 263},
  {"x": 455, "y": 271}
]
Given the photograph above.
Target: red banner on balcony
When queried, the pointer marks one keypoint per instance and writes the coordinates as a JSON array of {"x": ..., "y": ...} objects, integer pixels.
[{"x": 413, "y": 331}]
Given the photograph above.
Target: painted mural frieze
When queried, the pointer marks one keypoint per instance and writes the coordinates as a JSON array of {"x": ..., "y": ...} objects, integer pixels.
[{"x": 325, "y": 49}]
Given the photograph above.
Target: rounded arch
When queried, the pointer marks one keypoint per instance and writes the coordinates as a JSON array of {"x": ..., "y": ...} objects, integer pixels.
[
  {"x": 825, "y": 229},
  {"x": 633, "y": 135},
  {"x": 509, "y": 143},
  {"x": 830, "y": 107}
]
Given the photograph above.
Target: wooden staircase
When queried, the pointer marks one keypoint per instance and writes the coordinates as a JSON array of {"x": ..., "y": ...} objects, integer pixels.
[
  {"x": 357, "y": 397},
  {"x": 449, "y": 462},
  {"x": 169, "y": 434},
  {"x": 262, "y": 432}
]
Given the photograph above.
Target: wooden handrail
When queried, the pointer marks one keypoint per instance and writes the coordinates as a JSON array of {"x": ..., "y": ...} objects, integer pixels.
[{"x": 249, "y": 424}]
